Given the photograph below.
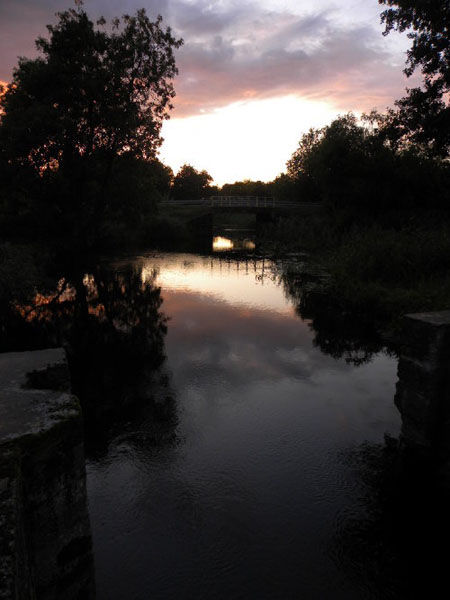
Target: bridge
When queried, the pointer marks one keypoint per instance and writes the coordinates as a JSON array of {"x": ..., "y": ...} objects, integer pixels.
[
  {"x": 201, "y": 216},
  {"x": 243, "y": 204}
]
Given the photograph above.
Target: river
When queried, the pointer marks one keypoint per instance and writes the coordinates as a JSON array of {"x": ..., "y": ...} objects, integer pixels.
[{"x": 254, "y": 482}]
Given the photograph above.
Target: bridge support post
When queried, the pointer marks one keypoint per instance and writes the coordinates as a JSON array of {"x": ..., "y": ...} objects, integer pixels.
[{"x": 201, "y": 229}]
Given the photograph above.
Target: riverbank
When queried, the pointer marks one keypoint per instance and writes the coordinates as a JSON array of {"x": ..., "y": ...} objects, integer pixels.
[{"x": 379, "y": 267}]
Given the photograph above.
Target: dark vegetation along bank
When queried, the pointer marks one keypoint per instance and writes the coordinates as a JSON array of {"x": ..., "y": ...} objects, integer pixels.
[{"x": 79, "y": 133}]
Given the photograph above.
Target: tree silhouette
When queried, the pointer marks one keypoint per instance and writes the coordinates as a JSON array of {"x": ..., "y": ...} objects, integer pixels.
[
  {"x": 94, "y": 95},
  {"x": 350, "y": 164},
  {"x": 422, "y": 117},
  {"x": 190, "y": 184}
]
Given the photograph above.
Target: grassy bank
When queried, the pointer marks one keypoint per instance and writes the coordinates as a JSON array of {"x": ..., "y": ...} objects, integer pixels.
[{"x": 377, "y": 271}]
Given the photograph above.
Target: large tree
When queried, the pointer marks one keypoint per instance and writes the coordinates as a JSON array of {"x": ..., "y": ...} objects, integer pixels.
[
  {"x": 95, "y": 94},
  {"x": 422, "y": 117},
  {"x": 347, "y": 164},
  {"x": 334, "y": 163},
  {"x": 190, "y": 184}
]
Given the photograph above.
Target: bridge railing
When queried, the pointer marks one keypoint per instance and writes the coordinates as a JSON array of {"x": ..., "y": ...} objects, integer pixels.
[
  {"x": 196, "y": 202},
  {"x": 242, "y": 201}
]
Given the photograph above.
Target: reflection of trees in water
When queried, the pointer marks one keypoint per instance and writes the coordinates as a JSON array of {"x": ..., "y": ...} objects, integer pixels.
[
  {"x": 390, "y": 537},
  {"x": 392, "y": 540},
  {"x": 113, "y": 329},
  {"x": 116, "y": 347},
  {"x": 116, "y": 339},
  {"x": 338, "y": 332}
]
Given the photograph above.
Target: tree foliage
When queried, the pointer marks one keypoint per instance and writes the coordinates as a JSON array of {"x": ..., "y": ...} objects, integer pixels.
[
  {"x": 245, "y": 188},
  {"x": 95, "y": 95},
  {"x": 282, "y": 187},
  {"x": 349, "y": 164},
  {"x": 422, "y": 117},
  {"x": 190, "y": 184},
  {"x": 333, "y": 162}
]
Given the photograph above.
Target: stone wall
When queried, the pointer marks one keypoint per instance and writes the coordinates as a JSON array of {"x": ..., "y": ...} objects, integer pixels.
[
  {"x": 423, "y": 388},
  {"x": 45, "y": 539}
]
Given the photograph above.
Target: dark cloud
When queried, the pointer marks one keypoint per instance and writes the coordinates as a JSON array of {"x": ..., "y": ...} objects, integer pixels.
[
  {"x": 22, "y": 21},
  {"x": 205, "y": 18},
  {"x": 240, "y": 50},
  {"x": 278, "y": 54}
]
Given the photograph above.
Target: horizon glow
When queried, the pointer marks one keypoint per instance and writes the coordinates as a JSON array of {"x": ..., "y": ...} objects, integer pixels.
[
  {"x": 254, "y": 76},
  {"x": 246, "y": 140}
]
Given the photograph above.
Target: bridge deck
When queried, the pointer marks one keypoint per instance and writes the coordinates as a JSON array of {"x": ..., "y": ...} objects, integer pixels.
[{"x": 242, "y": 202}]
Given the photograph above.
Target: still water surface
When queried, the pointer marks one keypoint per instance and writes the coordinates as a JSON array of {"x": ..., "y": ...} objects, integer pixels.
[{"x": 252, "y": 491}]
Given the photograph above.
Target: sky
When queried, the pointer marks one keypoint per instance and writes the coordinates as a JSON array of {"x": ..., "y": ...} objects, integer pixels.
[{"x": 253, "y": 75}]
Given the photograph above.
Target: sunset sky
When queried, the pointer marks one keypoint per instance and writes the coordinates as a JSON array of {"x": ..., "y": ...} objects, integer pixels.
[{"x": 254, "y": 75}]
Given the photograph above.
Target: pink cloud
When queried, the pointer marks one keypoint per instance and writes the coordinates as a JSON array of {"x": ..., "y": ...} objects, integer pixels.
[
  {"x": 307, "y": 57},
  {"x": 240, "y": 50}
]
